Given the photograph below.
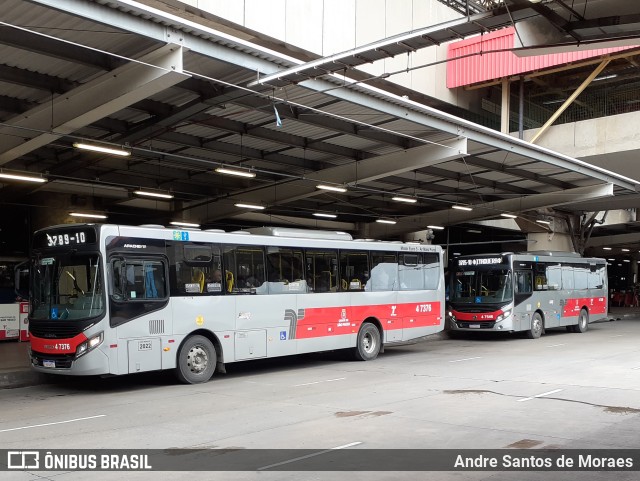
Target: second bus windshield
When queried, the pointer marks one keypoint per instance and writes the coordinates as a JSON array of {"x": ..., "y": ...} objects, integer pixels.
[{"x": 479, "y": 286}]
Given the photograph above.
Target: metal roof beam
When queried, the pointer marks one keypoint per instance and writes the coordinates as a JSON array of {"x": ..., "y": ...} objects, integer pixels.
[
  {"x": 493, "y": 209},
  {"x": 34, "y": 80},
  {"x": 91, "y": 101},
  {"x": 32, "y": 42},
  {"x": 476, "y": 180},
  {"x": 420, "y": 114},
  {"x": 353, "y": 173}
]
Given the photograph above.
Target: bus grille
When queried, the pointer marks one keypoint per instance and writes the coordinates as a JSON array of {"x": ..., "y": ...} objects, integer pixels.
[
  {"x": 483, "y": 325},
  {"x": 62, "y": 360},
  {"x": 54, "y": 331}
]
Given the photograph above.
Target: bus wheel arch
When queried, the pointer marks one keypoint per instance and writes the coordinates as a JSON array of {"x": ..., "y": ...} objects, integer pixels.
[
  {"x": 368, "y": 341},
  {"x": 198, "y": 357},
  {"x": 537, "y": 326}
]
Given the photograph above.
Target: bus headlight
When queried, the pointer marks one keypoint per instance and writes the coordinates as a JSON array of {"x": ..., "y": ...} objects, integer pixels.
[
  {"x": 451, "y": 316},
  {"x": 89, "y": 345},
  {"x": 503, "y": 316}
]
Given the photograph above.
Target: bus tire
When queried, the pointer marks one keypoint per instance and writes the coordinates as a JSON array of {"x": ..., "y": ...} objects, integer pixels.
[
  {"x": 537, "y": 326},
  {"x": 583, "y": 322},
  {"x": 196, "y": 360},
  {"x": 368, "y": 343}
]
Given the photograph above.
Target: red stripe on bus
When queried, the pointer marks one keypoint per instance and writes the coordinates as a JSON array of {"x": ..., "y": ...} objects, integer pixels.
[
  {"x": 57, "y": 346},
  {"x": 335, "y": 321},
  {"x": 594, "y": 305}
]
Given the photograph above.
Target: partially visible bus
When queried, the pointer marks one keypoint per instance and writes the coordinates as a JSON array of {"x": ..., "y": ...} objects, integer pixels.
[
  {"x": 530, "y": 291},
  {"x": 113, "y": 299},
  {"x": 10, "y": 267}
]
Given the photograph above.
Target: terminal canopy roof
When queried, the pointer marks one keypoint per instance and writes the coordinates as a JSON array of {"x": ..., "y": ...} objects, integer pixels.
[{"x": 185, "y": 95}]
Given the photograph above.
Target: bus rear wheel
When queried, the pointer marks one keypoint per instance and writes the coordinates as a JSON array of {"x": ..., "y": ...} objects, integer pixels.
[
  {"x": 368, "y": 343},
  {"x": 196, "y": 360},
  {"x": 583, "y": 322},
  {"x": 537, "y": 327}
]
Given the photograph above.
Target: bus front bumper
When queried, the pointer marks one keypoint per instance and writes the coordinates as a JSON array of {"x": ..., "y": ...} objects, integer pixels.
[
  {"x": 504, "y": 325},
  {"x": 94, "y": 362}
]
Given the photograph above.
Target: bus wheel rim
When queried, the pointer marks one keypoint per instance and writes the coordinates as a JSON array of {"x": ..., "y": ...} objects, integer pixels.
[
  {"x": 368, "y": 344},
  {"x": 197, "y": 359}
]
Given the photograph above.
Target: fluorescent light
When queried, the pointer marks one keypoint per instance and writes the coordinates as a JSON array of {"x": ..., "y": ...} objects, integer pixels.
[
  {"x": 153, "y": 194},
  {"x": 550, "y": 102},
  {"x": 22, "y": 177},
  {"x": 104, "y": 150},
  {"x": 84, "y": 214},
  {"x": 624, "y": 250},
  {"x": 331, "y": 188},
  {"x": 320, "y": 214},
  {"x": 613, "y": 260},
  {"x": 435, "y": 227},
  {"x": 474, "y": 231},
  {"x": 545, "y": 222},
  {"x": 239, "y": 173},
  {"x": 184, "y": 224},
  {"x": 409, "y": 200},
  {"x": 605, "y": 77},
  {"x": 606, "y": 248},
  {"x": 456, "y": 254},
  {"x": 626, "y": 260},
  {"x": 461, "y": 207},
  {"x": 385, "y": 221},
  {"x": 251, "y": 206},
  {"x": 509, "y": 216}
]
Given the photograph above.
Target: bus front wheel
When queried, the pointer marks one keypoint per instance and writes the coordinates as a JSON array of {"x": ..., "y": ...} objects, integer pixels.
[
  {"x": 536, "y": 327},
  {"x": 196, "y": 360},
  {"x": 368, "y": 343}
]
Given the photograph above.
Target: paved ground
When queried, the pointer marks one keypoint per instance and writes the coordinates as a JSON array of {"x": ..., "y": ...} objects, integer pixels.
[{"x": 564, "y": 390}]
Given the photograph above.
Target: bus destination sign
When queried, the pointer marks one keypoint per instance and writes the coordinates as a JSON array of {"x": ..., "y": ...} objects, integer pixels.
[
  {"x": 65, "y": 237},
  {"x": 480, "y": 261}
]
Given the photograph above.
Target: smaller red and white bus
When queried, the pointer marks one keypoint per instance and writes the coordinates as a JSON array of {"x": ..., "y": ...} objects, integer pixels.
[
  {"x": 529, "y": 291},
  {"x": 115, "y": 299}
]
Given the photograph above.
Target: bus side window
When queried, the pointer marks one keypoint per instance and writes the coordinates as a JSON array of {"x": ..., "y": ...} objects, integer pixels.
[{"x": 523, "y": 282}]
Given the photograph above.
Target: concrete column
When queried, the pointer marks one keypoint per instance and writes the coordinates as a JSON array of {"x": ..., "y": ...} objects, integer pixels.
[{"x": 504, "y": 115}]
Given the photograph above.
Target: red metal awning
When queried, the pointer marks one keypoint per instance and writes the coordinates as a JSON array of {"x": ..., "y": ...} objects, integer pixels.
[{"x": 473, "y": 66}]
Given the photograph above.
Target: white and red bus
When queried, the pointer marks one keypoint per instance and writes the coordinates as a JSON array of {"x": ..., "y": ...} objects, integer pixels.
[
  {"x": 114, "y": 299},
  {"x": 529, "y": 291}
]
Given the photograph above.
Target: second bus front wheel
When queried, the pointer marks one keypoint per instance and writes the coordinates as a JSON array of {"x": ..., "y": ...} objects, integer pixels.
[
  {"x": 196, "y": 360},
  {"x": 537, "y": 326},
  {"x": 368, "y": 343}
]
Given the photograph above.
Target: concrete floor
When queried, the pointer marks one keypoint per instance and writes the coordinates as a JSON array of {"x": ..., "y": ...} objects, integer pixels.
[{"x": 565, "y": 390}]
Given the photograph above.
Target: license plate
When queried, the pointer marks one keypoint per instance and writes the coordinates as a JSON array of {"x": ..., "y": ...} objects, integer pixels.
[
  {"x": 474, "y": 326},
  {"x": 144, "y": 345},
  {"x": 49, "y": 363}
]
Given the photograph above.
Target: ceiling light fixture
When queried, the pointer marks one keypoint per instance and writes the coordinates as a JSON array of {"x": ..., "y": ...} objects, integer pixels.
[
  {"x": 321, "y": 214},
  {"x": 153, "y": 194},
  {"x": 238, "y": 173},
  {"x": 461, "y": 207},
  {"x": 408, "y": 200},
  {"x": 474, "y": 231},
  {"x": 250, "y": 206},
  {"x": 184, "y": 224},
  {"x": 545, "y": 222},
  {"x": 103, "y": 150},
  {"x": 509, "y": 216},
  {"x": 606, "y": 248},
  {"x": 85, "y": 214},
  {"x": 332, "y": 188},
  {"x": 25, "y": 178},
  {"x": 435, "y": 227},
  {"x": 385, "y": 221},
  {"x": 605, "y": 77},
  {"x": 624, "y": 250}
]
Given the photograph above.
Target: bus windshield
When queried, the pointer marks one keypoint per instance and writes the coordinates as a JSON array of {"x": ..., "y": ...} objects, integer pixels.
[
  {"x": 482, "y": 286},
  {"x": 67, "y": 286}
]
